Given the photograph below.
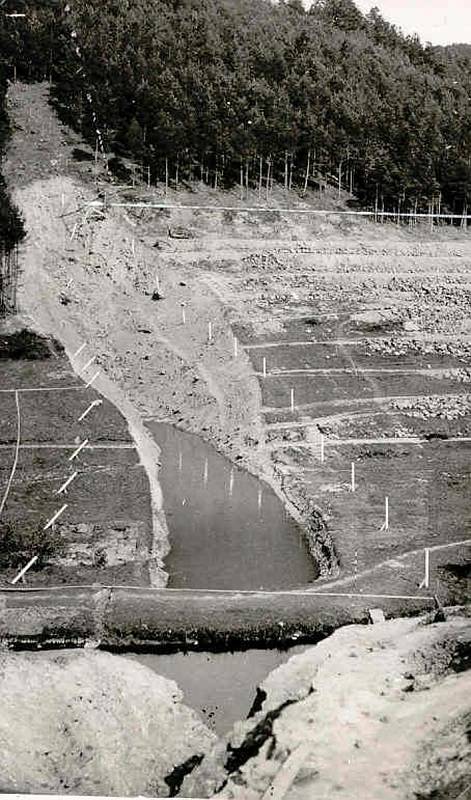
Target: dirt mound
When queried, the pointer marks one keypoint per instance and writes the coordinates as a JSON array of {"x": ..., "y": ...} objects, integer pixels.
[
  {"x": 372, "y": 712},
  {"x": 92, "y": 723}
]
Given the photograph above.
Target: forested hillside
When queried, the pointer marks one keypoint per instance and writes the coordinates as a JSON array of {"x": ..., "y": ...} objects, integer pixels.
[
  {"x": 11, "y": 226},
  {"x": 249, "y": 90}
]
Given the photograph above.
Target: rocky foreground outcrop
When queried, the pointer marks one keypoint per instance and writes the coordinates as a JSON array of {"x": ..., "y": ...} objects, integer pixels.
[
  {"x": 93, "y": 723},
  {"x": 379, "y": 712}
]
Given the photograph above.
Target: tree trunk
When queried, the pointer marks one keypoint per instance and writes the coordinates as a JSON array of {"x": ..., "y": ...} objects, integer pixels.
[
  {"x": 241, "y": 181},
  {"x": 260, "y": 177},
  {"x": 166, "y": 177},
  {"x": 286, "y": 170},
  {"x": 247, "y": 178},
  {"x": 306, "y": 176},
  {"x": 177, "y": 170},
  {"x": 290, "y": 184},
  {"x": 340, "y": 179},
  {"x": 268, "y": 178}
]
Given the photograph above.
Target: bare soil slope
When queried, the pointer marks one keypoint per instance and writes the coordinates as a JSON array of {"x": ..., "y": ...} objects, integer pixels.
[
  {"x": 92, "y": 723},
  {"x": 371, "y": 712}
]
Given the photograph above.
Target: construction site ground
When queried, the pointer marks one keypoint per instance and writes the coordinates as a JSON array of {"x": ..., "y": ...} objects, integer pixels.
[
  {"x": 105, "y": 529},
  {"x": 364, "y": 328}
]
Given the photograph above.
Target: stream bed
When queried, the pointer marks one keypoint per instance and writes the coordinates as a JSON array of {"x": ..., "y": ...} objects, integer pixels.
[{"x": 228, "y": 530}]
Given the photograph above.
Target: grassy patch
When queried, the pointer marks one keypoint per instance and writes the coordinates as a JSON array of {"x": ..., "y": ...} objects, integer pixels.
[{"x": 18, "y": 544}]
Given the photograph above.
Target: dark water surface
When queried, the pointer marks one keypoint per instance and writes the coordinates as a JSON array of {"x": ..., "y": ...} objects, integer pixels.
[
  {"x": 227, "y": 529},
  {"x": 220, "y": 687}
]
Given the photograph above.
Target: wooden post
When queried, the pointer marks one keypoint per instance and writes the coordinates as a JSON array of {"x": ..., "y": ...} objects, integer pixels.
[{"x": 385, "y": 525}]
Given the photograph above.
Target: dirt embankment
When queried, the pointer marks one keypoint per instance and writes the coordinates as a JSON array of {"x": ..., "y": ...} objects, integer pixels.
[
  {"x": 371, "y": 712},
  {"x": 92, "y": 723}
]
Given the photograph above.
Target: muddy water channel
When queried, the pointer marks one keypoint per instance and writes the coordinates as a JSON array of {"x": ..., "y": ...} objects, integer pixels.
[
  {"x": 227, "y": 529},
  {"x": 220, "y": 687}
]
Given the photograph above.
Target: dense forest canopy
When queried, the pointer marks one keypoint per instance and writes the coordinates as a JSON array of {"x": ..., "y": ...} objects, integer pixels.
[
  {"x": 228, "y": 89},
  {"x": 11, "y": 226}
]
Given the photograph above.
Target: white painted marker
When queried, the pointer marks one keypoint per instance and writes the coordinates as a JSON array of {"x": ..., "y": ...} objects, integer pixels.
[
  {"x": 67, "y": 483},
  {"x": 55, "y": 517},
  {"x": 353, "y": 477},
  {"x": 322, "y": 448},
  {"x": 259, "y": 501},
  {"x": 210, "y": 331},
  {"x": 205, "y": 473},
  {"x": 183, "y": 315},
  {"x": 88, "y": 364},
  {"x": 78, "y": 450},
  {"x": 236, "y": 347},
  {"x": 231, "y": 483},
  {"x": 95, "y": 404},
  {"x": 264, "y": 367},
  {"x": 180, "y": 461},
  {"x": 24, "y": 570},
  {"x": 292, "y": 399},
  {"x": 87, "y": 385},
  {"x": 81, "y": 348}
]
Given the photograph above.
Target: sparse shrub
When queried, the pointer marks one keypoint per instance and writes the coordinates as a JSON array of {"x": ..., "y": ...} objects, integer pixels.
[
  {"x": 28, "y": 346},
  {"x": 19, "y": 543},
  {"x": 82, "y": 155}
]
